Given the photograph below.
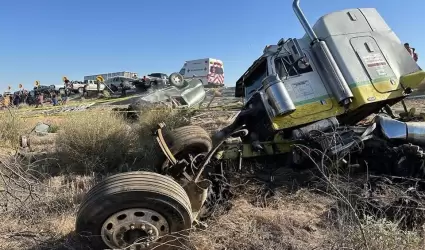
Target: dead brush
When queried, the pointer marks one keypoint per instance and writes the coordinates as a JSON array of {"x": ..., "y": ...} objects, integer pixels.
[
  {"x": 381, "y": 234},
  {"x": 361, "y": 218},
  {"x": 11, "y": 128},
  {"x": 284, "y": 223},
  {"x": 23, "y": 186},
  {"x": 36, "y": 208},
  {"x": 98, "y": 142}
]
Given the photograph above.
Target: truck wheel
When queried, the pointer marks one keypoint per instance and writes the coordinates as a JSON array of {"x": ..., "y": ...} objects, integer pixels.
[
  {"x": 186, "y": 141},
  {"x": 80, "y": 90},
  {"x": 177, "y": 80},
  {"x": 142, "y": 209}
]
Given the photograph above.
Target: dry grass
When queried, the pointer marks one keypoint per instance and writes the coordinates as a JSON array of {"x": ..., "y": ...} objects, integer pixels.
[
  {"x": 173, "y": 118},
  {"x": 102, "y": 142},
  {"x": 11, "y": 127},
  {"x": 35, "y": 212},
  {"x": 287, "y": 222},
  {"x": 94, "y": 142},
  {"x": 380, "y": 234}
]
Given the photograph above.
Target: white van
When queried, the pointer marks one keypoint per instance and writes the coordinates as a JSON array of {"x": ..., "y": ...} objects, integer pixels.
[{"x": 209, "y": 70}]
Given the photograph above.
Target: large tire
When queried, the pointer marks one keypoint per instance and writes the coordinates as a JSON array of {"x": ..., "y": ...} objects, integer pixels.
[
  {"x": 100, "y": 216},
  {"x": 186, "y": 140},
  {"x": 177, "y": 80},
  {"x": 80, "y": 90}
]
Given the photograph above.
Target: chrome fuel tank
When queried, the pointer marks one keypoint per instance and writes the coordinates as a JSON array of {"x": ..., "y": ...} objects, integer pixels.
[
  {"x": 278, "y": 95},
  {"x": 413, "y": 132}
]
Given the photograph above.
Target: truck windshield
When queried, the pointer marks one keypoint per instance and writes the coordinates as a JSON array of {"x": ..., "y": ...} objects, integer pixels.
[{"x": 252, "y": 82}]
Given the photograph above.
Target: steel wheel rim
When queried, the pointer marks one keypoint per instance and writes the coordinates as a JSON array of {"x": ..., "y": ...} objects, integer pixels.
[
  {"x": 136, "y": 228},
  {"x": 177, "y": 79}
]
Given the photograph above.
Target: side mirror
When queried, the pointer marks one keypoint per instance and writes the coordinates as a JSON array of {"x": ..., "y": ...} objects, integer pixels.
[{"x": 295, "y": 49}]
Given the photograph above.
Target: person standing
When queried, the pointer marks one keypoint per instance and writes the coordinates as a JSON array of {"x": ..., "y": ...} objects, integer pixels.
[
  {"x": 415, "y": 56},
  {"x": 64, "y": 98},
  {"x": 16, "y": 100},
  {"x": 407, "y": 46},
  {"x": 98, "y": 86},
  {"x": 123, "y": 88},
  {"x": 40, "y": 99},
  {"x": 54, "y": 100}
]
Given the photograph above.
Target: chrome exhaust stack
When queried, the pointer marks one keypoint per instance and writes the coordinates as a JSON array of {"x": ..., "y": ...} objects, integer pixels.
[
  {"x": 303, "y": 20},
  {"x": 328, "y": 65}
]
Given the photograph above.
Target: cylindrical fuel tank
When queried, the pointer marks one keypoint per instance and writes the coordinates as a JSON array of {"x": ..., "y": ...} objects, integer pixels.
[
  {"x": 416, "y": 132},
  {"x": 413, "y": 132},
  {"x": 278, "y": 95},
  {"x": 333, "y": 74}
]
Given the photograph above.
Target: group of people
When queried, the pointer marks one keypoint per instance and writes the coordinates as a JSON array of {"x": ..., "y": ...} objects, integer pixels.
[
  {"x": 36, "y": 99},
  {"x": 411, "y": 51},
  {"x": 17, "y": 98}
]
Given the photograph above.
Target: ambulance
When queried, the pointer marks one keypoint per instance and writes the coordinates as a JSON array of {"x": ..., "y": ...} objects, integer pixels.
[{"x": 208, "y": 70}]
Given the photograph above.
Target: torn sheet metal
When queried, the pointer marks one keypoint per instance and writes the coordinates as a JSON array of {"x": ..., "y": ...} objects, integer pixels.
[{"x": 192, "y": 94}]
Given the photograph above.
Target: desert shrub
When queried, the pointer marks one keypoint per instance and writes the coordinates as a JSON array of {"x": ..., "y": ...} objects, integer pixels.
[
  {"x": 11, "y": 128},
  {"x": 98, "y": 142},
  {"x": 53, "y": 128}
]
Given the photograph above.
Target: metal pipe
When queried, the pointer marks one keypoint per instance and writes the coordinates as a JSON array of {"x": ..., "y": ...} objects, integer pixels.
[{"x": 303, "y": 20}]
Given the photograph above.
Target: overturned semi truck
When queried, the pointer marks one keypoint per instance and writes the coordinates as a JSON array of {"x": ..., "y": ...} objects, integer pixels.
[{"x": 349, "y": 65}]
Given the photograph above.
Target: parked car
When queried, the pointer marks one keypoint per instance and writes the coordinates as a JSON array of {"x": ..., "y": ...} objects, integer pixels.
[
  {"x": 141, "y": 84},
  {"x": 57, "y": 88},
  {"x": 92, "y": 86},
  {"x": 46, "y": 90},
  {"x": 119, "y": 82},
  {"x": 156, "y": 79},
  {"x": 77, "y": 86}
]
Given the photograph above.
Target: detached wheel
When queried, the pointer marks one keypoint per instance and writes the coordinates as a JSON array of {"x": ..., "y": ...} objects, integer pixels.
[
  {"x": 177, "y": 80},
  {"x": 135, "y": 210},
  {"x": 186, "y": 142}
]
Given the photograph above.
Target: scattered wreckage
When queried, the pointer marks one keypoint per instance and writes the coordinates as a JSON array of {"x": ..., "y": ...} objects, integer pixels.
[
  {"x": 178, "y": 93},
  {"x": 301, "y": 96}
]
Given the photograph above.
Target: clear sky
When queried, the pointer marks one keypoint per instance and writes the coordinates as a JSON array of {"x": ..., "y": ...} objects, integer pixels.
[{"x": 47, "y": 39}]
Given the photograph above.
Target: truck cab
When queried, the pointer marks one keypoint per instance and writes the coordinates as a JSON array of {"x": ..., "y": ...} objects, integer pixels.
[{"x": 348, "y": 65}]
